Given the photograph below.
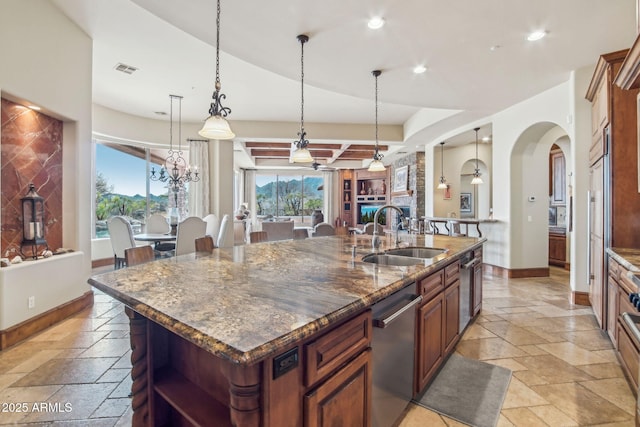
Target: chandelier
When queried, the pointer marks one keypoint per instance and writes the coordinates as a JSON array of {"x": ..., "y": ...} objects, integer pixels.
[
  {"x": 301, "y": 152},
  {"x": 175, "y": 171},
  {"x": 443, "y": 182},
  {"x": 376, "y": 165},
  {"x": 216, "y": 126},
  {"x": 476, "y": 174}
]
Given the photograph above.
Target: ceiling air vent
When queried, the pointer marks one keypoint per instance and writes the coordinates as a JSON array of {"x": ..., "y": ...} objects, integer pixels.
[{"x": 125, "y": 68}]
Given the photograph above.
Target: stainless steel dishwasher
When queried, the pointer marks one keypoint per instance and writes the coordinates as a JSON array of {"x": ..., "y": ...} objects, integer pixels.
[{"x": 394, "y": 322}]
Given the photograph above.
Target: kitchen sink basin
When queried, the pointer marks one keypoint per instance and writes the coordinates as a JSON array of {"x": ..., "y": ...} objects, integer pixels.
[
  {"x": 385, "y": 259},
  {"x": 416, "y": 252}
]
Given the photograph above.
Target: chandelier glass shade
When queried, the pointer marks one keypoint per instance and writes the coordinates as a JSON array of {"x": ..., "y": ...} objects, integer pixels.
[
  {"x": 216, "y": 125},
  {"x": 376, "y": 165},
  {"x": 301, "y": 153},
  {"x": 443, "y": 182},
  {"x": 176, "y": 172},
  {"x": 476, "y": 174}
]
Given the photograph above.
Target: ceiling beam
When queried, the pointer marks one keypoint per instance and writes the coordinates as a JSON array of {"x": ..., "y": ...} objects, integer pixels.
[
  {"x": 287, "y": 145},
  {"x": 282, "y": 153},
  {"x": 357, "y": 155}
]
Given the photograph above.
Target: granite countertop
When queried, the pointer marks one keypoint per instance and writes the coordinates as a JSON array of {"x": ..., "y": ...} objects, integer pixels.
[
  {"x": 247, "y": 302},
  {"x": 628, "y": 258}
]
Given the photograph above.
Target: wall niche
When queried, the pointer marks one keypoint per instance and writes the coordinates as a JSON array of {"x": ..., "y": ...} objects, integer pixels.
[{"x": 30, "y": 152}]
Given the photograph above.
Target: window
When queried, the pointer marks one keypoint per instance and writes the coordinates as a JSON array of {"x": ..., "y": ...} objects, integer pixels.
[
  {"x": 288, "y": 196},
  {"x": 121, "y": 187}
]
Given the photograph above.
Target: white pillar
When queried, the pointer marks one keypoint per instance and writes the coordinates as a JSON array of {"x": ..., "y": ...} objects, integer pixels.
[
  {"x": 221, "y": 178},
  {"x": 328, "y": 204}
]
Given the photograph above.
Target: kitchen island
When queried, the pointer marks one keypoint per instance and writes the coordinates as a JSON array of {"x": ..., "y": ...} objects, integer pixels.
[{"x": 269, "y": 334}]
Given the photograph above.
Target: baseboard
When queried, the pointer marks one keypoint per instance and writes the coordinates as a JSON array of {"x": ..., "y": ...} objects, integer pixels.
[
  {"x": 567, "y": 266},
  {"x": 103, "y": 262},
  {"x": 24, "y": 330},
  {"x": 520, "y": 273},
  {"x": 580, "y": 298}
]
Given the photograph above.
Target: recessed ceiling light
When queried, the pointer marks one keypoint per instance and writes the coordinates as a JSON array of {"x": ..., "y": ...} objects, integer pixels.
[
  {"x": 536, "y": 35},
  {"x": 486, "y": 138},
  {"x": 34, "y": 107},
  {"x": 419, "y": 69},
  {"x": 376, "y": 23}
]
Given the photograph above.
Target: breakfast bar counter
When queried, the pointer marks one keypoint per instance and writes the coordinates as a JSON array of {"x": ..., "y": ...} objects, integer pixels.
[{"x": 220, "y": 327}]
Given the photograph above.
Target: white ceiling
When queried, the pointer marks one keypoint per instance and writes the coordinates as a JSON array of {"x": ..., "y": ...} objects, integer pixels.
[{"x": 172, "y": 43}]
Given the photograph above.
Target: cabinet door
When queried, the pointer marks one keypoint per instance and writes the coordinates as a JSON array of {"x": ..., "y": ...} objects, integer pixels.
[
  {"x": 430, "y": 339},
  {"x": 452, "y": 316},
  {"x": 477, "y": 288},
  {"x": 344, "y": 399}
]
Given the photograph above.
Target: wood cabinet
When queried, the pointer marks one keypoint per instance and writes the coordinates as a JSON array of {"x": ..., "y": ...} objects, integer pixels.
[
  {"x": 429, "y": 351},
  {"x": 438, "y": 320},
  {"x": 344, "y": 399},
  {"x": 627, "y": 347},
  {"x": 557, "y": 248},
  {"x": 346, "y": 203}
]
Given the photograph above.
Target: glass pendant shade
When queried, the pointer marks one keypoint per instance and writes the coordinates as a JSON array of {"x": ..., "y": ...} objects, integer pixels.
[
  {"x": 301, "y": 155},
  {"x": 376, "y": 166},
  {"x": 443, "y": 184},
  {"x": 476, "y": 179},
  {"x": 216, "y": 127},
  {"x": 476, "y": 175}
]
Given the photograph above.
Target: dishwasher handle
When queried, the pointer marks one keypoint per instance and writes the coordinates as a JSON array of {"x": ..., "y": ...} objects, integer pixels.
[
  {"x": 386, "y": 321},
  {"x": 470, "y": 264}
]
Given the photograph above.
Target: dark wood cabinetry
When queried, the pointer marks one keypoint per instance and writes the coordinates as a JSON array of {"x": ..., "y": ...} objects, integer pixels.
[
  {"x": 613, "y": 159},
  {"x": 346, "y": 204},
  {"x": 438, "y": 321},
  {"x": 557, "y": 248},
  {"x": 628, "y": 348}
]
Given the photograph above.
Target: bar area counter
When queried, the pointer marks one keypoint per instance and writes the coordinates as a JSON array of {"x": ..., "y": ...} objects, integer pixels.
[{"x": 250, "y": 335}]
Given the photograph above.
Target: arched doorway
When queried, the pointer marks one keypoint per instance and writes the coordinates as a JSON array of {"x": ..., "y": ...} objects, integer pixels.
[{"x": 530, "y": 204}]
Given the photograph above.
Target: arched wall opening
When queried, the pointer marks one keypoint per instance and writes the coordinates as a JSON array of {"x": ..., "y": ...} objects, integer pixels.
[{"x": 529, "y": 187}]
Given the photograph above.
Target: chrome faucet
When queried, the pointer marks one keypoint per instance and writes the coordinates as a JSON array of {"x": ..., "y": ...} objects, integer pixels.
[{"x": 375, "y": 241}]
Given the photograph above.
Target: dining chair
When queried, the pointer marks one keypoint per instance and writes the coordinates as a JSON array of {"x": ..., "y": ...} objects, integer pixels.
[
  {"x": 278, "y": 230},
  {"x": 188, "y": 231},
  {"x": 225, "y": 236},
  {"x": 158, "y": 224},
  {"x": 121, "y": 236},
  {"x": 213, "y": 226},
  {"x": 259, "y": 236},
  {"x": 300, "y": 233},
  {"x": 204, "y": 244},
  {"x": 138, "y": 255},
  {"x": 368, "y": 228},
  {"x": 323, "y": 229}
]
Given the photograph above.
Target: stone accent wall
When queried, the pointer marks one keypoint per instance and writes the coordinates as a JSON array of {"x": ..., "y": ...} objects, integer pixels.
[
  {"x": 30, "y": 152},
  {"x": 416, "y": 200}
]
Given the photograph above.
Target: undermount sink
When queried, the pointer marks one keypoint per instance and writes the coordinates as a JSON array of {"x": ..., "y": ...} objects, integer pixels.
[
  {"x": 416, "y": 252},
  {"x": 385, "y": 259}
]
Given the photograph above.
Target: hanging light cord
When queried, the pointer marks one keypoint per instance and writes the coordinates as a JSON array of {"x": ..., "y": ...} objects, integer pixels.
[
  {"x": 477, "y": 169},
  {"x": 218, "y": 47},
  {"x": 442, "y": 161},
  {"x": 376, "y": 156},
  {"x": 216, "y": 108},
  {"x": 302, "y": 142}
]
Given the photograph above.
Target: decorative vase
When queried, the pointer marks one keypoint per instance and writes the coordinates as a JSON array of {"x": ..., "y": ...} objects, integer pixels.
[
  {"x": 383, "y": 188},
  {"x": 362, "y": 190}
]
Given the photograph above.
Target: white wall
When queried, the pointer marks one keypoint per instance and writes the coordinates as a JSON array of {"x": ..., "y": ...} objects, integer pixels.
[{"x": 47, "y": 60}]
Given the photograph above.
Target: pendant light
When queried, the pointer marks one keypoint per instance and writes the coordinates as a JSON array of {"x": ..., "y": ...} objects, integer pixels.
[
  {"x": 476, "y": 175},
  {"x": 216, "y": 126},
  {"x": 301, "y": 152},
  {"x": 376, "y": 165},
  {"x": 443, "y": 182}
]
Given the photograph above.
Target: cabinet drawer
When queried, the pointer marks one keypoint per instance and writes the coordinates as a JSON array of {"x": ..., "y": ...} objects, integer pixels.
[
  {"x": 614, "y": 268},
  {"x": 628, "y": 353},
  {"x": 431, "y": 285},
  {"x": 477, "y": 254},
  {"x": 327, "y": 353},
  {"x": 624, "y": 305},
  {"x": 451, "y": 273}
]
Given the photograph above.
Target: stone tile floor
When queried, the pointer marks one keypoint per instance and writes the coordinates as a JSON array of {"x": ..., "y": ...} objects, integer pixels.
[{"x": 565, "y": 372}]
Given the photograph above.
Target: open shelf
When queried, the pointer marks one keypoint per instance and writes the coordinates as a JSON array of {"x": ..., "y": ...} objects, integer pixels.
[{"x": 194, "y": 404}]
